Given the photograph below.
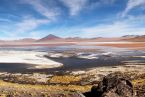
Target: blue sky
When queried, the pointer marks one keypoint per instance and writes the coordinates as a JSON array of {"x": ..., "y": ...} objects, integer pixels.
[{"x": 71, "y": 18}]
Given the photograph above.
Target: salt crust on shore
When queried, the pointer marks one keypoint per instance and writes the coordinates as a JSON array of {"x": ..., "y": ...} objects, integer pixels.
[
  {"x": 28, "y": 57},
  {"x": 97, "y": 71}
]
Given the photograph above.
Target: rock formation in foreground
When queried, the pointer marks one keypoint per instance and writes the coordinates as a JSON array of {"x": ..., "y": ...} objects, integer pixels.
[{"x": 112, "y": 86}]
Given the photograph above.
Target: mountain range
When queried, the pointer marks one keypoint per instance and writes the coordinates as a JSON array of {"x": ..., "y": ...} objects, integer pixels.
[{"x": 51, "y": 37}]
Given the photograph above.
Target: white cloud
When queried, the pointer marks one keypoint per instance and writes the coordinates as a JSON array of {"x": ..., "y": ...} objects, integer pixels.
[
  {"x": 28, "y": 24},
  {"x": 129, "y": 26},
  {"x": 48, "y": 11},
  {"x": 75, "y": 6},
  {"x": 105, "y": 30},
  {"x": 23, "y": 27},
  {"x": 132, "y": 4}
]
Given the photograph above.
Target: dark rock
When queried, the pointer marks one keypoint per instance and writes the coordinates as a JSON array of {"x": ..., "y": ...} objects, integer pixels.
[{"x": 113, "y": 85}]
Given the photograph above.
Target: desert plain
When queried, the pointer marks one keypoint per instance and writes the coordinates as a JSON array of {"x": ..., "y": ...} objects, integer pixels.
[{"x": 62, "y": 67}]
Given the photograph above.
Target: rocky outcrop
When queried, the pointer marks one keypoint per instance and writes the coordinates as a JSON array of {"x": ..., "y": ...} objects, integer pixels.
[{"x": 112, "y": 86}]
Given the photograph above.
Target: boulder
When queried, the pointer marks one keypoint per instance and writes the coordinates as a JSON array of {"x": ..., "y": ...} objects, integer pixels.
[{"x": 113, "y": 85}]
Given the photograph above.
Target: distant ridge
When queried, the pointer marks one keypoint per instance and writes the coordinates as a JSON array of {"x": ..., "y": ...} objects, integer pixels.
[
  {"x": 130, "y": 36},
  {"x": 26, "y": 40},
  {"x": 138, "y": 38},
  {"x": 49, "y": 37}
]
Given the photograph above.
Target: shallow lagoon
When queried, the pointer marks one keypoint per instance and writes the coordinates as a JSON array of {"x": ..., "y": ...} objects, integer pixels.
[{"x": 105, "y": 56}]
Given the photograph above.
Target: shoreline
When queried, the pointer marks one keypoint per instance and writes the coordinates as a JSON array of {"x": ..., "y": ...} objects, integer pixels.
[
  {"x": 118, "y": 44},
  {"x": 28, "y": 57},
  {"x": 65, "y": 59}
]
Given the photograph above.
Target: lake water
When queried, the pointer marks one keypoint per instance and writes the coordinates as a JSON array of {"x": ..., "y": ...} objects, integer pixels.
[{"x": 105, "y": 56}]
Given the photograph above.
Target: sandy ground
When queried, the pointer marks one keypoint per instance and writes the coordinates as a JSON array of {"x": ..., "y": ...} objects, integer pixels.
[
  {"x": 112, "y": 69},
  {"x": 135, "y": 45},
  {"x": 28, "y": 57},
  {"x": 117, "y": 42},
  {"x": 100, "y": 72},
  {"x": 120, "y": 44},
  {"x": 21, "y": 44},
  {"x": 58, "y": 90}
]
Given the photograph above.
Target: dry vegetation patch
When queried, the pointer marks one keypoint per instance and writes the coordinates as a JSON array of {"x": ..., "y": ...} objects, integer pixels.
[
  {"x": 65, "y": 79},
  {"x": 8, "y": 88}
]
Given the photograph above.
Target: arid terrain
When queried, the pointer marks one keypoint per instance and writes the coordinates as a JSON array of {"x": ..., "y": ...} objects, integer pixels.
[
  {"x": 42, "y": 85},
  {"x": 58, "y": 67},
  {"x": 130, "y": 42},
  {"x": 72, "y": 48}
]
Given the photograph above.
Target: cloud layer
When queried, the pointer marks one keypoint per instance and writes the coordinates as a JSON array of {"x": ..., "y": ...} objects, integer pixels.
[
  {"x": 48, "y": 11},
  {"x": 133, "y": 4},
  {"x": 75, "y": 6},
  {"x": 84, "y": 18}
]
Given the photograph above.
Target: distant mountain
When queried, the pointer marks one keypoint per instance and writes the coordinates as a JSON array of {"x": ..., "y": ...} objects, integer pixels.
[
  {"x": 19, "y": 40},
  {"x": 137, "y": 38},
  {"x": 49, "y": 37},
  {"x": 130, "y": 36},
  {"x": 24, "y": 40},
  {"x": 73, "y": 38}
]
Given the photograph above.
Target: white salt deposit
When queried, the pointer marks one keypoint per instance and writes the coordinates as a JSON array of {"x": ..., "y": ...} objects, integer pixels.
[{"x": 28, "y": 57}]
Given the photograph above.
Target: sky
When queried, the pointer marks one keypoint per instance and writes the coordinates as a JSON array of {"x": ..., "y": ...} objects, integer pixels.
[{"x": 71, "y": 18}]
